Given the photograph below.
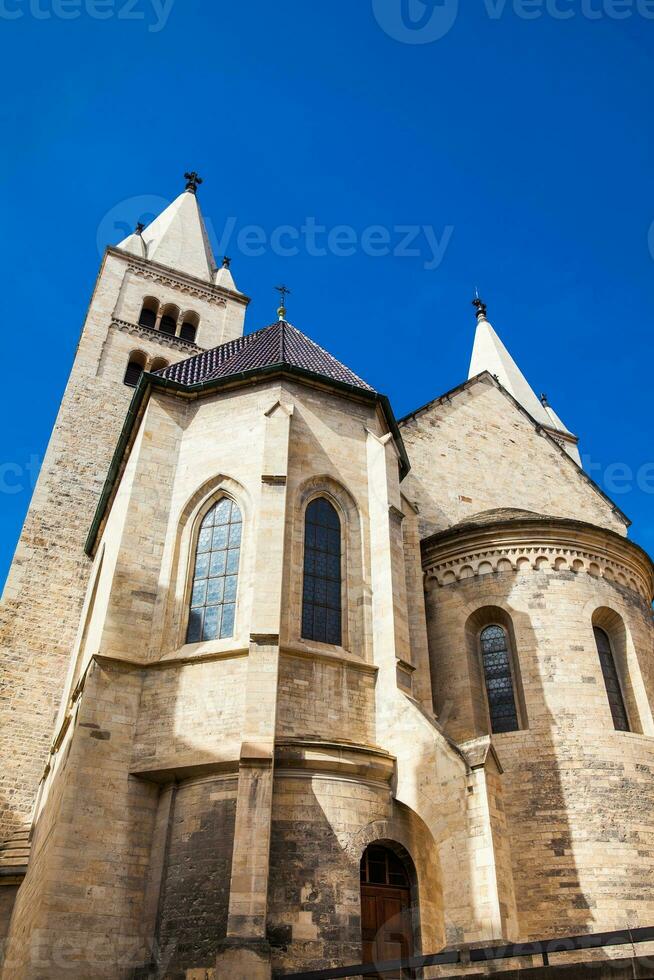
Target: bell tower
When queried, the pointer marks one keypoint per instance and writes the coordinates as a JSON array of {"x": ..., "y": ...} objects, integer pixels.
[{"x": 158, "y": 299}]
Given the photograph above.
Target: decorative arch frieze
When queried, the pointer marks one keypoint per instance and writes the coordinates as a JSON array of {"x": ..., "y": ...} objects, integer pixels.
[
  {"x": 534, "y": 558},
  {"x": 147, "y": 273}
]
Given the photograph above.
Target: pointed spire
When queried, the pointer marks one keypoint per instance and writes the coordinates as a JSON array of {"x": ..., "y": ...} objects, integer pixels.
[
  {"x": 490, "y": 354},
  {"x": 134, "y": 243},
  {"x": 177, "y": 238},
  {"x": 224, "y": 276}
]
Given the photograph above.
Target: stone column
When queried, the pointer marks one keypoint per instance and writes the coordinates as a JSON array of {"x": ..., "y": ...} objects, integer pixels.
[{"x": 245, "y": 954}]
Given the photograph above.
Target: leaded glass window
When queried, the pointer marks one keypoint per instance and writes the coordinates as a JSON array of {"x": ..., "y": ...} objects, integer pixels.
[
  {"x": 215, "y": 576},
  {"x": 499, "y": 681},
  {"x": 611, "y": 681},
  {"x": 321, "y": 598}
]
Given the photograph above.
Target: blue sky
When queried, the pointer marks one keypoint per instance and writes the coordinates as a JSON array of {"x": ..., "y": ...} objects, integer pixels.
[{"x": 520, "y": 139}]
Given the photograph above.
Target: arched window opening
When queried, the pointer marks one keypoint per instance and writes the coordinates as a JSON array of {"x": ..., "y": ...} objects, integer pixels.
[
  {"x": 148, "y": 317},
  {"x": 134, "y": 370},
  {"x": 215, "y": 574},
  {"x": 169, "y": 319},
  {"x": 189, "y": 327},
  {"x": 321, "y": 597},
  {"x": 159, "y": 364},
  {"x": 611, "y": 681},
  {"x": 386, "y": 919},
  {"x": 496, "y": 662}
]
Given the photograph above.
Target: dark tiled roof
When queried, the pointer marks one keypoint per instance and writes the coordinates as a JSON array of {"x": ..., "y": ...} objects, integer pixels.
[{"x": 279, "y": 344}]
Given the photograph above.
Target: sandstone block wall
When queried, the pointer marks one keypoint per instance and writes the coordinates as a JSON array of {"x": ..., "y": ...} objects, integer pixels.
[
  {"x": 477, "y": 451},
  {"x": 194, "y": 895},
  {"x": 321, "y": 827},
  {"x": 326, "y": 700},
  {"x": 578, "y": 795},
  {"x": 45, "y": 589}
]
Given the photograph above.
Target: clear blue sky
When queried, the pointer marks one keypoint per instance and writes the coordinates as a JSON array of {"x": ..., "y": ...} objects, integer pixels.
[{"x": 526, "y": 142}]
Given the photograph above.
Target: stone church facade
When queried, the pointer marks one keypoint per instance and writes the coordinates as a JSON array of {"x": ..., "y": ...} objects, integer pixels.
[{"x": 289, "y": 684}]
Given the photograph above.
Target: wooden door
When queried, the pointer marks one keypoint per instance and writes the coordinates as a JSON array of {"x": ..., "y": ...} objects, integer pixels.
[{"x": 386, "y": 928}]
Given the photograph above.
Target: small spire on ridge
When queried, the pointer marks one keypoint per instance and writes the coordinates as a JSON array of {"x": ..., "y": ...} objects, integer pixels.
[
  {"x": 480, "y": 306},
  {"x": 284, "y": 291},
  {"x": 193, "y": 181}
]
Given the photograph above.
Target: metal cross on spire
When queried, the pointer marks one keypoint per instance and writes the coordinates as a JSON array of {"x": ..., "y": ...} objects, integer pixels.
[
  {"x": 283, "y": 291},
  {"x": 193, "y": 181},
  {"x": 480, "y": 306}
]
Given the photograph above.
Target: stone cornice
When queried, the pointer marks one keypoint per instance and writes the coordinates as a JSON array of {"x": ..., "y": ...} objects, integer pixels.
[
  {"x": 537, "y": 543},
  {"x": 149, "y": 333},
  {"x": 314, "y": 757},
  {"x": 153, "y": 272}
]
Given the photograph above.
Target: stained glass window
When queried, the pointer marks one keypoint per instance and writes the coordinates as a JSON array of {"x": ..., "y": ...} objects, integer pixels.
[
  {"x": 611, "y": 681},
  {"x": 499, "y": 682},
  {"x": 215, "y": 577},
  {"x": 321, "y": 599}
]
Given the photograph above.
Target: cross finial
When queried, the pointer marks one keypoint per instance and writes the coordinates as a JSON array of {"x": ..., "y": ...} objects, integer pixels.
[
  {"x": 480, "y": 306},
  {"x": 283, "y": 291},
  {"x": 140, "y": 227},
  {"x": 226, "y": 261},
  {"x": 544, "y": 400},
  {"x": 193, "y": 181}
]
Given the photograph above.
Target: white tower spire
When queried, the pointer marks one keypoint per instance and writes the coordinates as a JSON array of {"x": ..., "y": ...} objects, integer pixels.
[
  {"x": 490, "y": 354},
  {"x": 178, "y": 238}
]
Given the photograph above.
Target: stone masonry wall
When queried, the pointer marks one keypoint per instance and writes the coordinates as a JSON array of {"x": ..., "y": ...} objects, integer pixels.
[
  {"x": 578, "y": 795},
  {"x": 477, "y": 452},
  {"x": 80, "y": 910},
  {"x": 321, "y": 827},
  {"x": 46, "y": 584},
  {"x": 195, "y": 890},
  {"x": 327, "y": 700}
]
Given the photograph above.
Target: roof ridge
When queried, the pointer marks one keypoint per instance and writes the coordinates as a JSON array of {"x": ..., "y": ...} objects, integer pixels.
[
  {"x": 275, "y": 345},
  {"x": 282, "y": 338}
]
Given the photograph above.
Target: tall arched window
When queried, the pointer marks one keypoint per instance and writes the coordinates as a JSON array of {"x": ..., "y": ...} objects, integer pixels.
[
  {"x": 148, "y": 317},
  {"x": 215, "y": 576},
  {"x": 134, "y": 369},
  {"x": 611, "y": 681},
  {"x": 321, "y": 597},
  {"x": 496, "y": 661}
]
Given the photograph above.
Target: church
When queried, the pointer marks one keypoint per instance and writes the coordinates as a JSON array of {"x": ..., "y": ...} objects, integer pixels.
[{"x": 291, "y": 685}]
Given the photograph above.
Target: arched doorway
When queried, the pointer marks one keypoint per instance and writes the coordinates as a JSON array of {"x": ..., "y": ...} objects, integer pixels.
[{"x": 386, "y": 919}]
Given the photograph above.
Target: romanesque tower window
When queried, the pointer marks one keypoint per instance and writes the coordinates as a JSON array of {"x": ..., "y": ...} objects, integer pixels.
[
  {"x": 496, "y": 661},
  {"x": 134, "y": 369},
  {"x": 215, "y": 576},
  {"x": 148, "y": 317},
  {"x": 611, "y": 681},
  {"x": 189, "y": 327},
  {"x": 321, "y": 599},
  {"x": 168, "y": 322}
]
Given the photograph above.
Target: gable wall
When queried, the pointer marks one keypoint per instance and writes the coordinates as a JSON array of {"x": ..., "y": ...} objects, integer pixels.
[{"x": 478, "y": 452}]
